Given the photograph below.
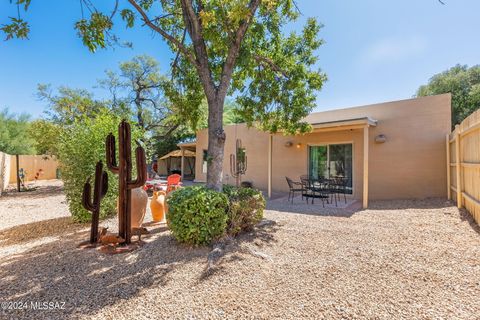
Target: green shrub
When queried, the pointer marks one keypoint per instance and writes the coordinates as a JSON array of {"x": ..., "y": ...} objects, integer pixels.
[
  {"x": 80, "y": 146},
  {"x": 197, "y": 215},
  {"x": 245, "y": 208}
]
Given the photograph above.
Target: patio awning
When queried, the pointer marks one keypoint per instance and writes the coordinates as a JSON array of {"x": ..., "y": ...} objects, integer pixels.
[
  {"x": 178, "y": 154},
  {"x": 332, "y": 122},
  {"x": 191, "y": 145},
  {"x": 343, "y": 124}
]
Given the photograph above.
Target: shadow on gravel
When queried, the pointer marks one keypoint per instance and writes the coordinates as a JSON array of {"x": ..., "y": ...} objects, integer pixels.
[
  {"x": 466, "y": 216},
  {"x": 229, "y": 250},
  {"x": 39, "y": 229},
  {"x": 309, "y": 209},
  {"x": 37, "y": 192},
  {"x": 376, "y": 205},
  {"x": 87, "y": 280}
]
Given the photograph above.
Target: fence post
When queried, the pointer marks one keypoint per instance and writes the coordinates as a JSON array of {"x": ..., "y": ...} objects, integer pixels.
[
  {"x": 449, "y": 191},
  {"x": 458, "y": 162},
  {"x": 17, "y": 160}
]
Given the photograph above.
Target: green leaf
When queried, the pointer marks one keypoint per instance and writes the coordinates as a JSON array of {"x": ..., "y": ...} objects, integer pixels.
[
  {"x": 129, "y": 17},
  {"x": 92, "y": 31},
  {"x": 18, "y": 28}
]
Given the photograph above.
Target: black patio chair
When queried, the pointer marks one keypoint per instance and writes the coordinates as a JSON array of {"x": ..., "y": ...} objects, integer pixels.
[
  {"x": 332, "y": 190},
  {"x": 294, "y": 187},
  {"x": 307, "y": 191},
  {"x": 339, "y": 186}
]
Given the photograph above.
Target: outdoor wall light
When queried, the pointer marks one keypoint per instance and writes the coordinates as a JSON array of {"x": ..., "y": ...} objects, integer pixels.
[
  {"x": 288, "y": 144},
  {"x": 299, "y": 145},
  {"x": 381, "y": 138}
]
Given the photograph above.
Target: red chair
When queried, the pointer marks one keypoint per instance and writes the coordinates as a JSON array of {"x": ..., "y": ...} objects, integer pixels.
[{"x": 173, "y": 182}]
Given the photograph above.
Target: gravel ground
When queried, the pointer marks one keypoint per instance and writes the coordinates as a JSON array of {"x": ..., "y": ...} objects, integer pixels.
[
  {"x": 397, "y": 260},
  {"x": 46, "y": 202}
]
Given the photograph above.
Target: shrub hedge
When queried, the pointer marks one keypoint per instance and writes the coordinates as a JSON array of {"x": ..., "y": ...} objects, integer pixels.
[
  {"x": 80, "y": 146},
  {"x": 198, "y": 215},
  {"x": 245, "y": 209}
]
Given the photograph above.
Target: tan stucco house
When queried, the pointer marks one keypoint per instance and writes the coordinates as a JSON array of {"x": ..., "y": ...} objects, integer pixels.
[{"x": 392, "y": 150}]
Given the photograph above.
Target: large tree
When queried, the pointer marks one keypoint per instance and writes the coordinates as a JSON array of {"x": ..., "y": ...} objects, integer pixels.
[
  {"x": 65, "y": 105},
  {"x": 464, "y": 85},
  {"x": 14, "y": 137},
  {"x": 139, "y": 88},
  {"x": 46, "y": 136},
  {"x": 224, "y": 47}
]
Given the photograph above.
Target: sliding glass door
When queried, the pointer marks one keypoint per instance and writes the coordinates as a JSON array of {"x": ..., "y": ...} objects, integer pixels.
[
  {"x": 332, "y": 161},
  {"x": 318, "y": 162}
]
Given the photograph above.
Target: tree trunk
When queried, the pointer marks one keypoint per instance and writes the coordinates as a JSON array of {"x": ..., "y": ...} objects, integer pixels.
[{"x": 216, "y": 142}]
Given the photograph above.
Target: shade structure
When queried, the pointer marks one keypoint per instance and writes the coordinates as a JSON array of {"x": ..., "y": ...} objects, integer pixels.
[{"x": 178, "y": 154}]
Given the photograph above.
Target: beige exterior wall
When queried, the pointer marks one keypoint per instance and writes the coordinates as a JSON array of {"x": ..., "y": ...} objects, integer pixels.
[
  {"x": 255, "y": 143},
  {"x": 410, "y": 164},
  {"x": 32, "y": 164},
  {"x": 4, "y": 171}
]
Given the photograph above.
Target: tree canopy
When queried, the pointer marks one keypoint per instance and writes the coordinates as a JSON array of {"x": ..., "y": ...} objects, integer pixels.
[
  {"x": 464, "y": 85},
  {"x": 66, "y": 104},
  {"x": 138, "y": 88},
  {"x": 14, "y": 136},
  {"x": 136, "y": 91},
  {"x": 221, "y": 47},
  {"x": 46, "y": 136}
]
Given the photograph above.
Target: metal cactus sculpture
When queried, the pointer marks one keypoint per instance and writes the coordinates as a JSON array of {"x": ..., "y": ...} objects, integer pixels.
[
  {"x": 238, "y": 162},
  {"x": 99, "y": 191},
  {"x": 124, "y": 171}
]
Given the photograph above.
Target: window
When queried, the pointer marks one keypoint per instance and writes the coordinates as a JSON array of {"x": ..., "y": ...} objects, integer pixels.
[{"x": 330, "y": 161}]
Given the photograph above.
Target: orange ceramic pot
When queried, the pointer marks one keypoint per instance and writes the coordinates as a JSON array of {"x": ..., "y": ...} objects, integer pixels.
[{"x": 157, "y": 205}]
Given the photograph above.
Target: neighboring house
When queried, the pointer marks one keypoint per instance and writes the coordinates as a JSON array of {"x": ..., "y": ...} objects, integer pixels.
[{"x": 392, "y": 150}]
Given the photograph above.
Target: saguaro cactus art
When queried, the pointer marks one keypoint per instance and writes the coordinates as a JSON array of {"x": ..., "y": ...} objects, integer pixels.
[
  {"x": 99, "y": 191},
  {"x": 238, "y": 162},
  {"x": 124, "y": 171}
]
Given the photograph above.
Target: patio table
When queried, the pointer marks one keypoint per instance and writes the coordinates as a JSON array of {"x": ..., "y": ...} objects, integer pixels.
[{"x": 316, "y": 188}]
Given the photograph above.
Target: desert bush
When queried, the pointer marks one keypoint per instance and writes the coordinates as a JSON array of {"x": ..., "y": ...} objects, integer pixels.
[
  {"x": 245, "y": 208},
  {"x": 197, "y": 215},
  {"x": 80, "y": 146}
]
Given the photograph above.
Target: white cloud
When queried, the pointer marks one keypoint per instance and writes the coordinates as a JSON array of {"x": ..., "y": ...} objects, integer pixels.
[{"x": 395, "y": 49}]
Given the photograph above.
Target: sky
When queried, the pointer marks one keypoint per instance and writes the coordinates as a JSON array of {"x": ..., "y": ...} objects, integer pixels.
[{"x": 374, "y": 51}]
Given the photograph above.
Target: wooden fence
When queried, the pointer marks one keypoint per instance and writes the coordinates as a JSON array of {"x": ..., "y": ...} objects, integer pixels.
[
  {"x": 45, "y": 168},
  {"x": 463, "y": 165}
]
